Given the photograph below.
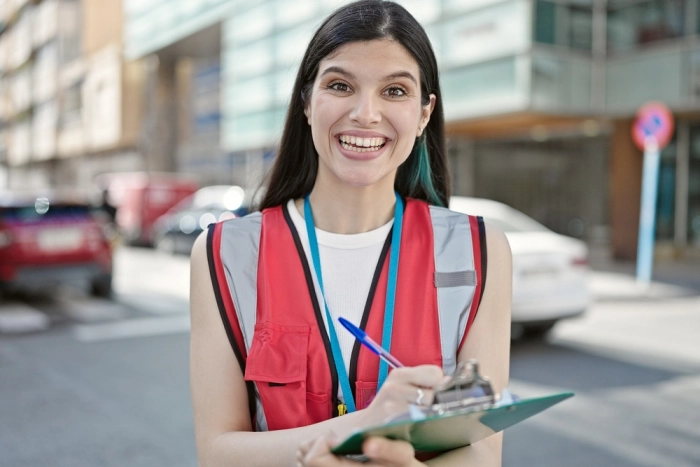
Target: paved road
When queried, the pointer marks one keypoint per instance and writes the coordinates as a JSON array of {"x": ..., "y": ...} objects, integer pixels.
[{"x": 104, "y": 383}]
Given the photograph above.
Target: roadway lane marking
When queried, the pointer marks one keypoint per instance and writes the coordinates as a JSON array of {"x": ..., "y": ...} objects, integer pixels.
[
  {"x": 18, "y": 318},
  {"x": 660, "y": 334},
  {"x": 154, "y": 303},
  {"x": 90, "y": 310},
  {"x": 142, "y": 327},
  {"x": 644, "y": 425}
]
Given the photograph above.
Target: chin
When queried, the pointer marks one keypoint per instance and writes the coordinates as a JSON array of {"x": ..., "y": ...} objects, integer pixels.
[{"x": 360, "y": 179}]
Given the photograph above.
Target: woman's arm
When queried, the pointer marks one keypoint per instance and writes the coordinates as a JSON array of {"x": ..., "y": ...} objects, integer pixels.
[{"x": 489, "y": 343}]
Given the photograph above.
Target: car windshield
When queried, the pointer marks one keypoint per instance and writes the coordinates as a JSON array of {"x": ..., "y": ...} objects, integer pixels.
[
  {"x": 499, "y": 215},
  {"x": 515, "y": 222},
  {"x": 42, "y": 211}
]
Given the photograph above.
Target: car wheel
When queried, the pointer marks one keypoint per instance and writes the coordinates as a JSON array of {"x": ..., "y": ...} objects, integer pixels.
[
  {"x": 102, "y": 286},
  {"x": 538, "y": 330}
]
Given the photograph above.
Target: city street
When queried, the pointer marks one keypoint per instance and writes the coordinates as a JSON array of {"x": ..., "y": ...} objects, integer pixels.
[{"x": 89, "y": 382}]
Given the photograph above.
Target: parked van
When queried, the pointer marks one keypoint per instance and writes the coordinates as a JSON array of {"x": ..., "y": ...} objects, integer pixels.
[{"x": 142, "y": 197}]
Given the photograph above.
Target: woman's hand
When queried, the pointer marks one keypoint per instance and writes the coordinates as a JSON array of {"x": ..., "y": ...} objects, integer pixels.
[
  {"x": 381, "y": 452},
  {"x": 403, "y": 387}
]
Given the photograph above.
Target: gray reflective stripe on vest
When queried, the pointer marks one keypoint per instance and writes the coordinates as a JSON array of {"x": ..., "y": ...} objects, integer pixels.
[
  {"x": 455, "y": 278},
  {"x": 240, "y": 247}
]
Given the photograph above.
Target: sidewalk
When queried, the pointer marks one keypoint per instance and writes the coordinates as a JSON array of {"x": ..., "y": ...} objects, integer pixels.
[
  {"x": 616, "y": 280},
  {"x": 654, "y": 326}
]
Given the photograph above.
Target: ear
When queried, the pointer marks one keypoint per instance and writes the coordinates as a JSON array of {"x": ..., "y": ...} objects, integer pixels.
[
  {"x": 426, "y": 111},
  {"x": 307, "y": 112}
]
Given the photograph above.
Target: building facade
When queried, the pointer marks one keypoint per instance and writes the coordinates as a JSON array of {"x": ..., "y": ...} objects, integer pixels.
[
  {"x": 539, "y": 99},
  {"x": 70, "y": 108}
]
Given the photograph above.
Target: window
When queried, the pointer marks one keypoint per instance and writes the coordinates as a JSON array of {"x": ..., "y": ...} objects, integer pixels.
[
  {"x": 694, "y": 188},
  {"x": 640, "y": 23},
  {"x": 666, "y": 197},
  {"x": 567, "y": 25},
  {"x": 71, "y": 105},
  {"x": 70, "y": 41}
]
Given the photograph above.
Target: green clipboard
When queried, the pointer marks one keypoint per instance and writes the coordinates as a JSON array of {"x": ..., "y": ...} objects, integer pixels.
[{"x": 452, "y": 430}]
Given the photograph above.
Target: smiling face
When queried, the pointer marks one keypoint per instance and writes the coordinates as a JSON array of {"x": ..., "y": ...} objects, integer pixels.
[{"x": 365, "y": 113}]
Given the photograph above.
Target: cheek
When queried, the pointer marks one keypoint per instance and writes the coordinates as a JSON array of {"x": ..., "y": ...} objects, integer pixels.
[
  {"x": 407, "y": 121},
  {"x": 324, "y": 112}
]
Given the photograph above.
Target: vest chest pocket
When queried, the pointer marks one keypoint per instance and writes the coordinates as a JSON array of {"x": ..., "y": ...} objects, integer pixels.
[{"x": 277, "y": 364}]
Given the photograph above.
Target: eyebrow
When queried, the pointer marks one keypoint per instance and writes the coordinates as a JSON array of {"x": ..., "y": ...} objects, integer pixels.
[
  {"x": 347, "y": 74},
  {"x": 401, "y": 74}
]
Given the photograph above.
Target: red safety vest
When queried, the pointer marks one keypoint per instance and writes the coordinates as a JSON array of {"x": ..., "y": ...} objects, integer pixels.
[{"x": 267, "y": 301}]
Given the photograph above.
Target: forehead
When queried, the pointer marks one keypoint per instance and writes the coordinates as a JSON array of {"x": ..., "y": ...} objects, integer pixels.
[{"x": 377, "y": 55}]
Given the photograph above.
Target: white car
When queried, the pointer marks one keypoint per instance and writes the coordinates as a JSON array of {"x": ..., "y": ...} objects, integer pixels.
[{"x": 550, "y": 271}]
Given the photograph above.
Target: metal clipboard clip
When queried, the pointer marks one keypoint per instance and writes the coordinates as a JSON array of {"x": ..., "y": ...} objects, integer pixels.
[{"x": 466, "y": 389}]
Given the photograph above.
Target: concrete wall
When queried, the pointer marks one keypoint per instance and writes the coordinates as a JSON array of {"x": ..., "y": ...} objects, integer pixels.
[
  {"x": 625, "y": 191},
  {"x": 102, "y": 24}
]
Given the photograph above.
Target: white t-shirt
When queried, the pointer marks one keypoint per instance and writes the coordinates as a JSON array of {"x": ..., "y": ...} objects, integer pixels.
[{"x": 348, "y": 263}]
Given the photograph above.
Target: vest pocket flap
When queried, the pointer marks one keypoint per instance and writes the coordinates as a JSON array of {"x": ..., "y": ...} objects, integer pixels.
[
  {"x": 455, "y": 279},
  {"x": 278, "y": 353}
]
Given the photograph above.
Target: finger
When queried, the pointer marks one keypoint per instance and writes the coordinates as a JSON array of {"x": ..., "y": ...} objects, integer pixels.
[
  {"x": 316, "y": 452},
  {"x": 319, "y": 454},
  {"x": 427, "y": 376},
  {"x": 407, "y": 393},
  {"x": 305, "y": 446},
  {"x": 388, "y": 452}
]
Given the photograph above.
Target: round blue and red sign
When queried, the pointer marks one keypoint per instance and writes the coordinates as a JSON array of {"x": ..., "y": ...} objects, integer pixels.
[{"x": 654, "y": 122}]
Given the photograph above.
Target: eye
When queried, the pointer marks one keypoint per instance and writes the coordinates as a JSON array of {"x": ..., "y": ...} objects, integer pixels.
[
  {"x": 396, "y": 91},
  {"x": 338, "y": 86}
]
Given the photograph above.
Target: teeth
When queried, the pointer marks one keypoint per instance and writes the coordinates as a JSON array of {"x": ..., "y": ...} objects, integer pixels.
[
  {"x": 359, "y": 149},
  {"x": 361, "y": 144}
]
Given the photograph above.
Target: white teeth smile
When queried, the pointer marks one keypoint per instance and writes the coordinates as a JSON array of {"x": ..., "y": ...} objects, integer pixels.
[{"x": 355, "y": 143}]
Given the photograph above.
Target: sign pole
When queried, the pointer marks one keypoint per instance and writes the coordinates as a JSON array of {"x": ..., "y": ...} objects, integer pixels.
[
  {"x": 652, "y": 130},
  {"x": 647, "y": 214}
]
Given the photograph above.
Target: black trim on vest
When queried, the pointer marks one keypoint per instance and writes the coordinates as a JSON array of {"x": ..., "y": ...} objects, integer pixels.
[
  {"x": 227, "y": 325},
  {"x": 355, "y": 355},
  {"x": 482, "y": 247},
  {"x": 317, "y": 310}
]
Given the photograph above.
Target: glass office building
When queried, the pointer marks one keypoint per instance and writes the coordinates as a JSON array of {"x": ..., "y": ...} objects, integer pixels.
[{"x": 539, "y": 98}]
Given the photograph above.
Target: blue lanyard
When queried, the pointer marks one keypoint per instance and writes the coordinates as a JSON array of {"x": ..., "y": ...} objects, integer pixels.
[{"x": 388, "y": 308}]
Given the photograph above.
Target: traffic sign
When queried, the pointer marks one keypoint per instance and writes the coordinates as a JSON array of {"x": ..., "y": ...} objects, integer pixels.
[{"x": 653, "y": 122}]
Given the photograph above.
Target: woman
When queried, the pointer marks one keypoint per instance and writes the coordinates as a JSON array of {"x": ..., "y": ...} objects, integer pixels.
[{"x": 351, "y": 225}]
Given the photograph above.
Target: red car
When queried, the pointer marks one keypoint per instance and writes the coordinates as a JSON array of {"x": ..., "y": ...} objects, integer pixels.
[
  {"x": 141, "y": 198},
  {"x": 49, "y": 239}
]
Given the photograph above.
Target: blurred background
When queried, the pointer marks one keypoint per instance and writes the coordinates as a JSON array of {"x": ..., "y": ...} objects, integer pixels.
[{"x": 128, "y": 126}]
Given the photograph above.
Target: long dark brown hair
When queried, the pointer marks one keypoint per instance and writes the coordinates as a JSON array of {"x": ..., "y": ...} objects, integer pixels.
[{"x": 424, "y": 175}]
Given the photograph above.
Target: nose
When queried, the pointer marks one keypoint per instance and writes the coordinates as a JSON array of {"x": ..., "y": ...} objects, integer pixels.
[{"x": 366, "y": 110}]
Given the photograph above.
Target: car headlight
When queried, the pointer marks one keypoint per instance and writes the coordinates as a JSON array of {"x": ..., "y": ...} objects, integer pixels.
[{"x": 6, "y": 239}]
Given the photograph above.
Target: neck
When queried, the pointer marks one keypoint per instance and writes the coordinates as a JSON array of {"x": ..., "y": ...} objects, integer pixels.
[{"x": 350, "y": 210}]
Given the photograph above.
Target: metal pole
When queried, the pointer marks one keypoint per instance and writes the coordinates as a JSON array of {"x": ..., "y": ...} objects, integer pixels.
[
  {"x": 680, "y": 239},
  {"x": 647, "y": 214},
  {"x": 599, "y": 53}
]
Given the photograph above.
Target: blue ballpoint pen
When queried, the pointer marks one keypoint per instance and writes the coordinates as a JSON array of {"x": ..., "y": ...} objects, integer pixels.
[{"x": 370, "y": 343}]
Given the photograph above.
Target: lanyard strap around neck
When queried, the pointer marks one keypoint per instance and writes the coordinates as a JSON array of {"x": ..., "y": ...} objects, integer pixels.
[{"x": 388, "y": 309}]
